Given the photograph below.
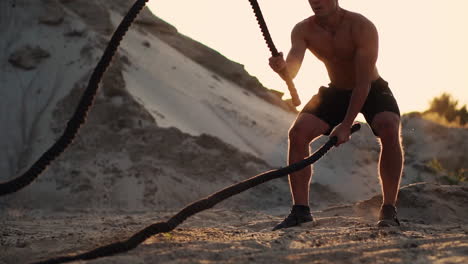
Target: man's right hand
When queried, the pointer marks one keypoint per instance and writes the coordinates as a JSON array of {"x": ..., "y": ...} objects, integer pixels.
[{"x": 278, "y": 64}]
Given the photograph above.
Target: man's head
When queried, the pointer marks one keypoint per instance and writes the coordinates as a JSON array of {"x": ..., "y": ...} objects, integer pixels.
[{"x": 324, "y": 8}]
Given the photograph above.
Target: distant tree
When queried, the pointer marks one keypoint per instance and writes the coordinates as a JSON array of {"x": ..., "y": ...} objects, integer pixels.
[
  {"x": 463, "y": 114},
  {"x": 446, "y": 106}
]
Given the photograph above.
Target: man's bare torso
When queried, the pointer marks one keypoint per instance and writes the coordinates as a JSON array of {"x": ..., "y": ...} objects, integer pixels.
[{"x": 335, "y": 49}]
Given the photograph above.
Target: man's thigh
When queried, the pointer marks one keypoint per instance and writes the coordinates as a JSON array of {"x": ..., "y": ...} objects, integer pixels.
[
  {"x": 309, "y": 126},
  {"x": 380, "y": 105},
  {"x": 329, "y": 105}
]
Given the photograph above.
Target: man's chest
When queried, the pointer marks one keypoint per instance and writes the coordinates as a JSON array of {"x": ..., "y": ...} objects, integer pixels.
[{"x": 337, "y": 48}]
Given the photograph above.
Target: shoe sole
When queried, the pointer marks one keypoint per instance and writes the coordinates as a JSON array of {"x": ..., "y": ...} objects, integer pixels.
[
  {"x": 387, "y": 223},
  {"x": 299, "y": 224}
]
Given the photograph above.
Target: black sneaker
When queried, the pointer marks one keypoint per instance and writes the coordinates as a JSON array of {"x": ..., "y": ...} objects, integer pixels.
[
  {"x": 299, "y": 214},
  {"x": 388, "y": 216}
]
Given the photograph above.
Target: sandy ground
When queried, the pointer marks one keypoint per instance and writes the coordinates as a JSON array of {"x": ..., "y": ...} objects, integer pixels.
[
  {"x": 225, "y": 236},
  {"x": 340, "y": 234}
]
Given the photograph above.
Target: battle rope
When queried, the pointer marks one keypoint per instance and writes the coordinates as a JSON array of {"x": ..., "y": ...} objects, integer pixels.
[
  {"x": 79, "y": 117},
  {"x": 196, "y": 207},
  {"x": 274, "y": 52}
]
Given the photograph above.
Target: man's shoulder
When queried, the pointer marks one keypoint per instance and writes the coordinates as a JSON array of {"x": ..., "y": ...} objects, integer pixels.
[
  {"x": 359, "y": 20},
  {"x": 363, "y": 31},
  {"x": 301, "y": 28},
  {"x": 303, "y": 23}
]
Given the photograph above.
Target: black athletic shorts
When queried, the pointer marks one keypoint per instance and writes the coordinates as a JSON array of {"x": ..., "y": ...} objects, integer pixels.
[{"x": 330, "y": 104}]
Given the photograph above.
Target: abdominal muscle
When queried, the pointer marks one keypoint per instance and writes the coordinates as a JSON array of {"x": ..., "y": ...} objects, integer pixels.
[{"x": 342, "y": 76}]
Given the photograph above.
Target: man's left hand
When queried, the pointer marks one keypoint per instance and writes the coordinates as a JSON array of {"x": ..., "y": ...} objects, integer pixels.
[{"x": 342, "y": 132}]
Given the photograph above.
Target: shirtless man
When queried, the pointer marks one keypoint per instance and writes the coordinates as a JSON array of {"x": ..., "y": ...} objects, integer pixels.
[{"x": 347, "y": 43}]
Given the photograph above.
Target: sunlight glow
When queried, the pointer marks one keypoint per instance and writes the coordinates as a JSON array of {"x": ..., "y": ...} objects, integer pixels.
[{"x": 423, "y": 43}]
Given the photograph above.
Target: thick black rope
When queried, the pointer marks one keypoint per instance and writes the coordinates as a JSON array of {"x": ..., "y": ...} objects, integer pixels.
[
  {"x": 196, "y": 207},
  {"x": 79, "y": 117},
  {"x": 271, "y": 46},
  {"x": 263, "y": 27}
]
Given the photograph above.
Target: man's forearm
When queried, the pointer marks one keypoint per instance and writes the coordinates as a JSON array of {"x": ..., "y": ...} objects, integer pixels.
[
  {"x": 292, "y": 66},
  {"x": 358, "y": 97},
  {"x": 289, "y": 72}
]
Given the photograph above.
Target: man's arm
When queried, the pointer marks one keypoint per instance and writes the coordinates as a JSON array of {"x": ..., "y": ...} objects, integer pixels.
[
  {"x": 367, "y": 42},
  {"x": 297, "y": 51},
  {"x": 288, "y": 69},
  {"x": 295, "y": 56}
]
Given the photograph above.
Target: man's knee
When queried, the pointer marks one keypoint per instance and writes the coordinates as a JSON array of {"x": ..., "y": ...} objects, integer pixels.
[
  {"x": 303, "y": 134},
  {"x": 297, "y": 133},
  {"x": 387, "y": 125}
]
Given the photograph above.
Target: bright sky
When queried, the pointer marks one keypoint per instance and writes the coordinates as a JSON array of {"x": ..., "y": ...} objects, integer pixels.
[{"x": 423, "y": 43}]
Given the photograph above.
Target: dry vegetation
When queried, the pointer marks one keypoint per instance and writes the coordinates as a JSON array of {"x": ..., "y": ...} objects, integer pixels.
[{"x": 443, "y": 110}]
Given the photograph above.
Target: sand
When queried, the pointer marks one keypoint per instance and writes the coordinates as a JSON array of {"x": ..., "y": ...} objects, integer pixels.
[{"x": 340, "y": 234}]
